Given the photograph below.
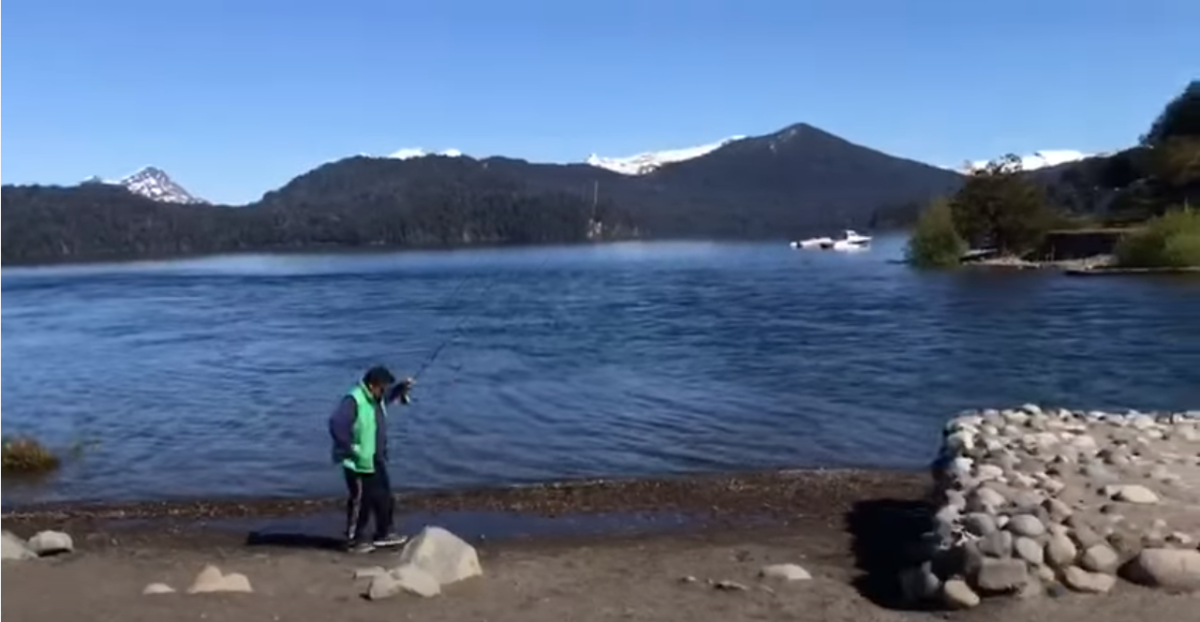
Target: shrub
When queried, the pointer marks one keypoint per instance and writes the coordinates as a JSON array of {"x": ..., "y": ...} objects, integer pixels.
[
  {"x": 1168, "y": 241},
  {"x": 935, "y": 242},
  {"x": 26, "y": 456}
]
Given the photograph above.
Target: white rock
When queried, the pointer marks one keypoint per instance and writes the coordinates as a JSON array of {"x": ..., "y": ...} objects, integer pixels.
[
  {"x": 158, "y": 588},
  {"x": 1100, "y": 558},
  {"x": 1170, "y": 569},
  {"x": 1134, "y": 493},
  {"x": 1060, "y": 551},
  {"x": 51, "y": 543},
  {"x": 210, "y": 579},
  {"x": 1081, "y": 580},
  {"x": 988, "y": 472},
  {"x": 985, "y": 499},
  {"x": 1029, "y": 550},
  {"x": 443, "y": 555},
  {"x": 785, "y": 572},
  {"x": 958, "y": 595},
  {"x": 406, "y": 578},
  {"x": 14, "y": 548},
  {"x": 1026, "y": 525}
]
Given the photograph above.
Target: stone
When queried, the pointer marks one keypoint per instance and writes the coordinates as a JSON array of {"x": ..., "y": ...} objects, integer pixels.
[
  {"x": 997, "y": 544},
  {"x": 979, "y": 523},
  {"x": 919, "y": 583},
  {"x": 1027, "y": 501},
  {"x": 1083, "y": 533},
  {"x": 1099, "y": 558},
  {"x": 984, "y": 499},
  {"x": 1134, "y": 493},
  {"x": 157, "y": 588},
  {"x": 1084, "y": 442},
  {"x": 1057, "y": 510},
  {"x": 998, "y": 576},
  {"x": 210, "y": 580},
  {"x": 369, "y": 573},
  {"x": 1175, "y": 570},
  {"x": 443, "y": 555},
  {"x": 1026, "y": 525},
  {"x": 956, "y": 594},
  {"x": 785, "y": 572},
  {"x": 1099, "y": 473},
  {"x": 1081, "y": 580},
  {"x": 1179, "y": 538},
  {"x": 405, "y": 578},
  {"x": 1045, "y": 573},
  {"x": 1029, "y": 550},
  {"x": 1033, "y": 588},
  {"x": 51, "y": 543},
  {"x": 1060, "y": 551},
  {"x": 14, "y": 548}
]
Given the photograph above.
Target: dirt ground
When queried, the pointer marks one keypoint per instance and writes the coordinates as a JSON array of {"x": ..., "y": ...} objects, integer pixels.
[{"x": 848, "y": 537}]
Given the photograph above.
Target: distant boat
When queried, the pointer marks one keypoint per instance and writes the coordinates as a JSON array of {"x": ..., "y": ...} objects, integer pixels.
[{"x": 851, "y": 241}]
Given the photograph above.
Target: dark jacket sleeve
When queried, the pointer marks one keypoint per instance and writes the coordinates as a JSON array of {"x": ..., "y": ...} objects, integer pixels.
[{"x": 341, "y": 428}]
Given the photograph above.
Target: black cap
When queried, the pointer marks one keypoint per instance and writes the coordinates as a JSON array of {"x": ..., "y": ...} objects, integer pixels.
[{"x": 378, "y": 376}]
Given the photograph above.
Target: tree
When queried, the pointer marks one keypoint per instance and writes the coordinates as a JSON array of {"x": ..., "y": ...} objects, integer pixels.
[
  {"x": 935, "y": 242},
  {"x": 1168, "y": 241},
  {"x": 1180, "y": 118},
  {"x": 999, "y": 207}
]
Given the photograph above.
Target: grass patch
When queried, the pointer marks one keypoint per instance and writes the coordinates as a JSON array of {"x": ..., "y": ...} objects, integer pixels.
[
  {"x": 1168, "y": 241},
  {"x": 27, "y": 456}
]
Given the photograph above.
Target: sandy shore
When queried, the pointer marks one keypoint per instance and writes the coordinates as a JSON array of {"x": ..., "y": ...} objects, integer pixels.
[{"x": 848, "y": 529}]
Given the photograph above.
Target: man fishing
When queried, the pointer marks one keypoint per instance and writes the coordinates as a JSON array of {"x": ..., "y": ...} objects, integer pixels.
[{"x": 358, "y": 428}]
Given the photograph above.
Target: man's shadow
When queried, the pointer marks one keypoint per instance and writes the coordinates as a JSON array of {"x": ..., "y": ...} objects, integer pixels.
[
  {"x": 295, "y": 540},
  {"x": 884, "y": 532}
]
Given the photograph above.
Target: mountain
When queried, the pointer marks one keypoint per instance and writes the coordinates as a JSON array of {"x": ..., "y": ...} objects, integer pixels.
[
  {"x": 152, "y": 183},
  {"x": 650, "y": 161},
  {"x": 787, "y": 183}
]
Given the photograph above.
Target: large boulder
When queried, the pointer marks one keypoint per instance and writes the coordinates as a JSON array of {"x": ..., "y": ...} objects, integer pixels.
[
  {"x": 442, "y": 555},
  {"x": 51, "y": 543},
  {"x": 1176, "y": 570},
  {"x": 15, "y": 548}
]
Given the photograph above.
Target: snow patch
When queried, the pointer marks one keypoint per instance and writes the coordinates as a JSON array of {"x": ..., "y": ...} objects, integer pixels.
[
  {"x": 152, "y": 183},
  {"x": 1038, "y": 159},
  {"x": 649, "y": 161},
  {"x": 418, "y": 152}
]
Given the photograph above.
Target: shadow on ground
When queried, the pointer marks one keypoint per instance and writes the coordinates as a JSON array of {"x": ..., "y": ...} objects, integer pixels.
[
  {"x": 294, "y": 540},
  {"x": 884, "y": 532}
]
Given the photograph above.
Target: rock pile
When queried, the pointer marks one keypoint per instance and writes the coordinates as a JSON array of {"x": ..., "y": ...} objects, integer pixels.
[{"x": 1031, "y": 499}]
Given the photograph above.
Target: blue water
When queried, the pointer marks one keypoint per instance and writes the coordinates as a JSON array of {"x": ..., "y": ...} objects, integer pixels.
[{"x": 215, "y": 376}]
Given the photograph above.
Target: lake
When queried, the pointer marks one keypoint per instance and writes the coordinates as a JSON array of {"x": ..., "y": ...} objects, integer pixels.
[{"x": 214, "y": 377}]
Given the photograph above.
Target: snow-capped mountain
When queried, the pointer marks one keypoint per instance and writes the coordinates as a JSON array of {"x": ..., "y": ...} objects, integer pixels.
[
  {"x": 1039, "y": 159},
  {"x": 152, "y": 183},
  {"x": 417, "y": 152},
  {"x": 643, "y": 163}
]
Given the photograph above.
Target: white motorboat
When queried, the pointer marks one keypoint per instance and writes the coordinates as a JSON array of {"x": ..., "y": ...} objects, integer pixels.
[
  {"x": 814, "y": 243},
  {"x": 851, "y": 241}
]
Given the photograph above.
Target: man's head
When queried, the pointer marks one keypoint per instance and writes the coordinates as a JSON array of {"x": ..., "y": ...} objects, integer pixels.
[{"x": 377, "y": 380}]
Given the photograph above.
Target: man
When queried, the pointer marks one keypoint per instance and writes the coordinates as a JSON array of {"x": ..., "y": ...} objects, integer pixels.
[{"x": 359, "y": 431}]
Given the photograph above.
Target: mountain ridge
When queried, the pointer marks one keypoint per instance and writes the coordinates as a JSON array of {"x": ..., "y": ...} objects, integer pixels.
[{"x": 792, "y": 181}]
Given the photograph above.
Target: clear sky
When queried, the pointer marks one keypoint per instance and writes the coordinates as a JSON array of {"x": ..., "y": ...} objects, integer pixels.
[{"x": 233, "y": 98}]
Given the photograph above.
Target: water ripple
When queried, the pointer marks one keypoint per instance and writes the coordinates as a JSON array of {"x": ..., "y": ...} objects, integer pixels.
[{"x": 214, "y": 377}]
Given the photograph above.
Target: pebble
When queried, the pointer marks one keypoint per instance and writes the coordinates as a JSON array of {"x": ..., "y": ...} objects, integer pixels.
[
  {"x": 157, "y": 588},
  {"x": 1029, "y": 550},
  {"x": 785, "y": 572},
  {"x": 1061, "y": 551},
  {"x": 1081, "y": 580},
  {"x": 1001, "y": 575},
  {"x": 984, "y": 499},
  {"x": 997, "y": 544},
  {"x": 956, "y": 594},
  {"x": 1134, "y": 493},
  {"x": 1099, "y": 558},
  {"x": 1026, "y": 525},
  {"x": 979, "y": 523}
]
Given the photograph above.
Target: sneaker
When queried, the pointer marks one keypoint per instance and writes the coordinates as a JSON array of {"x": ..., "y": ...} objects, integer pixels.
[
  {"x": 392, "y": 539},
  {"x": 361, "y": 547}
]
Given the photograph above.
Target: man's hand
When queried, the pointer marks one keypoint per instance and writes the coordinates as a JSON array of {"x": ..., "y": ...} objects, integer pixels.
[{"x": 399, "y": 391}]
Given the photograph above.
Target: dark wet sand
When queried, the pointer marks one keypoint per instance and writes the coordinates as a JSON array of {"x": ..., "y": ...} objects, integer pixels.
[{"x": 847, "y": 528}]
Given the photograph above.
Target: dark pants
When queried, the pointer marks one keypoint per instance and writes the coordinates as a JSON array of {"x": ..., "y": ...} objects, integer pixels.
[{"x": 370, "y": 494}]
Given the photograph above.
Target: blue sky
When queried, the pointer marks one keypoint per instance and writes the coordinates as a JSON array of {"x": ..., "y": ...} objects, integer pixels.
[{"x": 234, "y": 98}]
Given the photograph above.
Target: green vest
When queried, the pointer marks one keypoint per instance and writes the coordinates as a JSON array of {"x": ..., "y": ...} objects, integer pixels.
[{"x": 363, "y": 437}]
